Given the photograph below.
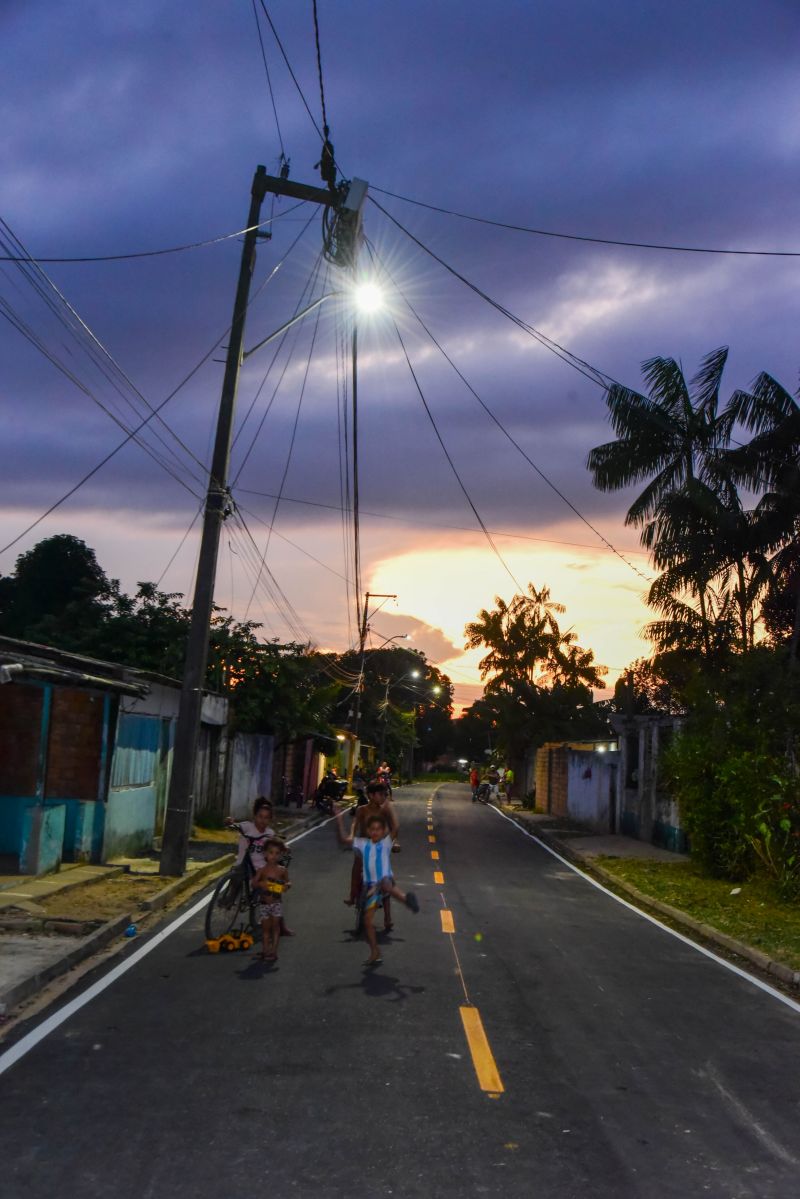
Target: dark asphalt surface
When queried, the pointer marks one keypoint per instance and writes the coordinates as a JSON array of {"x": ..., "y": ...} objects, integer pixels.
[{"x": 633, "y": 1066}]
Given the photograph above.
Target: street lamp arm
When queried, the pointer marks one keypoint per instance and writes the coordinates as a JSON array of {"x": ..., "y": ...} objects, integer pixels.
[{"x": 288, "y": 324}]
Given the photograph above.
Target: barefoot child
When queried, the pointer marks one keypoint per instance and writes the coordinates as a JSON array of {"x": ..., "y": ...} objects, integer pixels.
[
  {"x": 269, "y": 884},
  {"x": 375, "y": 850}
]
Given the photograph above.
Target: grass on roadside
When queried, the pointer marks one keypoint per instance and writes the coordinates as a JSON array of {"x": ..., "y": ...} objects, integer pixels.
[{"x": 751, "y": 912}]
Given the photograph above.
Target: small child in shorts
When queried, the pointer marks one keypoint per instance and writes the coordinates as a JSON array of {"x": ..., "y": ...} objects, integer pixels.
[
  {"x": 269, "y": 884},
  {"x": 378, "y": 882}
]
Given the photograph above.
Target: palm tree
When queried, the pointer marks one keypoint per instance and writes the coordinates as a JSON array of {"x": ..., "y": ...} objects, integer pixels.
[
  {"x": 703, "y": 535},
  {"x": 518, "y": 635},
  {"x": 771, "y": 460},
  {"x": 670, "y": 438}
]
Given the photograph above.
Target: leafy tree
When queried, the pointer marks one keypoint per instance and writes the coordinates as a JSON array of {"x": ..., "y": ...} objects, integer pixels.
[
  {"x": 668, "y": 438},
  {"x": 539, "y": 679},
  {"x": 403, "y": 701},
  {"x": 729, "y": 769},
  {"x": 57, "y": 595},
  {"x": 771, "y": 461}
]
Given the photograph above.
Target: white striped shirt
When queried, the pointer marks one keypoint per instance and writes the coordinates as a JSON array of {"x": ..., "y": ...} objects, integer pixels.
[{"x": 376, "y": 856}]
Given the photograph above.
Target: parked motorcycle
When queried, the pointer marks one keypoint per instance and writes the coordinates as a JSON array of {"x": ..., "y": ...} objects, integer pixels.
[{"x": 330, "y": 791}]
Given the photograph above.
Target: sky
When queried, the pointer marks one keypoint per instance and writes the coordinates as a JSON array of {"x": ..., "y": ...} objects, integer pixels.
[{"x": 132, "y": 128}]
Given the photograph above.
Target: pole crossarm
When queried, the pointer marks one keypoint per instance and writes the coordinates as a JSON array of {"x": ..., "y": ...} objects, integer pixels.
[{"x": 303, "y": 191}]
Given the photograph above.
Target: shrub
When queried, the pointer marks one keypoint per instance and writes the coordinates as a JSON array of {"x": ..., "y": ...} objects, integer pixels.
[{"x": 733, "y": 773}]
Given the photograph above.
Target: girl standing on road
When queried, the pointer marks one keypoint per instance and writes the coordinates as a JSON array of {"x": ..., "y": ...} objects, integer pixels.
[{"x": 253, "y": 837}]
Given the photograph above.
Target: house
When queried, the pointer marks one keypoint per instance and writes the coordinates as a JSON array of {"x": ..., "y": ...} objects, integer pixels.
[
  {"x": 85, "y": 756},
  {"x": 578, "y": 780}
]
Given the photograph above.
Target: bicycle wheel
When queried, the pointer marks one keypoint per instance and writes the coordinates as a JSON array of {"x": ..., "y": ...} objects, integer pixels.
[{"x": 230, "y": 908}]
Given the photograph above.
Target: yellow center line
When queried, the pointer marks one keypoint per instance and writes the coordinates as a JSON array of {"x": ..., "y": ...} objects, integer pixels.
[
  {"x": 482, "y": 1058},
  {"x": 432, "y": 840},
  {"x": 438, "y": 877},
  {"x": 447, "y": 921},
  {"x": 435, "y": 855}
]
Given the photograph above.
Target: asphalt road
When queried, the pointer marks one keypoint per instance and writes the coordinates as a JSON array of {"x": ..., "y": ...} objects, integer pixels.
[{"x": 617, "y": 1060}]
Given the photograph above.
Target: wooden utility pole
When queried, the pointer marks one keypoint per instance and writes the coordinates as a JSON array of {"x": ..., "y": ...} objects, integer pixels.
[
  {"x": 362, "y": 644},
  {"x": 342, "y": 249}
]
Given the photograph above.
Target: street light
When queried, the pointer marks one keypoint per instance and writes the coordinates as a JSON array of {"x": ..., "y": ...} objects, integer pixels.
[
  {"x": 366, "y": 297},
  {"x": 388, "y": 640},
  {"x": 411, "y": 674}
]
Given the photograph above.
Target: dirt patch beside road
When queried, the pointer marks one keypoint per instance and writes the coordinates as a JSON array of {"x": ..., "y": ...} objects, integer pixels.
[{"x": 103, "y": 899}]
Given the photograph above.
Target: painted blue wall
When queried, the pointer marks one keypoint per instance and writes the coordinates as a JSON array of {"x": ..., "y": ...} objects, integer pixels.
[
  {"x": 83, "y": 830},
  {"x": 130, "y": 816},
  {"x": 42, "y": 838},
  {"x": 130, "y": 822},
  {"x": 11, "y": 812}
]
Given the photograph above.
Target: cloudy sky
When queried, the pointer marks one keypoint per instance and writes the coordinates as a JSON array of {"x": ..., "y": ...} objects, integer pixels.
[{"x": 137, "y": 127}]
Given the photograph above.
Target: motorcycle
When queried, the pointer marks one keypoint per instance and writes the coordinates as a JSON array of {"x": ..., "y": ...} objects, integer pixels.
[{"x": 330, "y": 791}]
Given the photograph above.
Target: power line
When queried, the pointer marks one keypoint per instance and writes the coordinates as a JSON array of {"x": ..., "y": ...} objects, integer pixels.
[
  {"x": 503, "y": 429},
  {"x": 269, "y": 81},
  {"x": 454, "y": 469},
  {"x": 180, "y": 545},
  {"x": 584, "y": 368},
  {"x": 291, "y": 446},
  {"x": 84, "y": 331},
  {"x": 602, "y": 241},
  {"x": 195, "y": 245},
  {"x": 307, "y": 289},
  {"x": 131, "y": 435},
  {"x": 429, "y": 524},
  {"x": 319, "y": 68},
  {"x": 288, "y": 540},
  {"x": 289, "y": 68}
]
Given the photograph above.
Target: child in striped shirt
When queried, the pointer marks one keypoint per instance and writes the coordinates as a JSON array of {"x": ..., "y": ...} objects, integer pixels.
[{"x": 375, "y": 850}]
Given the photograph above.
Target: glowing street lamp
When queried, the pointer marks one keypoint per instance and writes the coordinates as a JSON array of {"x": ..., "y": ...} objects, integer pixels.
[{"x": 365, "y": 297}]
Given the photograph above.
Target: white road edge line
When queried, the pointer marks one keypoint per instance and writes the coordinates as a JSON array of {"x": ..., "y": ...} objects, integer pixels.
[
  {"x": 51, "y": 1023},
  {"x": 751, "y": 978}
]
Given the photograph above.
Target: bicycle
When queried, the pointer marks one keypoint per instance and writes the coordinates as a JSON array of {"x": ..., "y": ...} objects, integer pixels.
[{"x": 231, "y": 921}]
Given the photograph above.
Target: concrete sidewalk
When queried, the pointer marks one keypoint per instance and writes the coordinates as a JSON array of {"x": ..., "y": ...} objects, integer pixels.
[{"x": 583, "y": 844}]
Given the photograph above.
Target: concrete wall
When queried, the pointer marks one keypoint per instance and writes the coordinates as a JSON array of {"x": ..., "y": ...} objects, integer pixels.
[
  {"x": 83, "y": 831},
  {"x": 249, "y": 771},
  {"x": 647, "y": 811},
  {"x": 42, "y": 838},
  {"x": 591, "y": 785},
  {"x": 130, "y": 822}
]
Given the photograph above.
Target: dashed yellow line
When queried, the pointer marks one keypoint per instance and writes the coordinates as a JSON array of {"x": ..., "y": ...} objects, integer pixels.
[
  {"x": 438, "y": 877},
  {"x": 435, "y": 855},
  {"x": 482, "y": 1058},
  {"x": 447, "y": 921}
]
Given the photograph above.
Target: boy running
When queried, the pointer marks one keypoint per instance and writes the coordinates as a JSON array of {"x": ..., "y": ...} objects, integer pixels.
[
  {"x": 269, "y": 884},
  {"x": 375, "y": 850}
]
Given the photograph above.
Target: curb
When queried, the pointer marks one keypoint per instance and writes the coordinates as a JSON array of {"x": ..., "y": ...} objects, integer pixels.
[
  {"x": 706, "y": 931},
  {"x": 34, "y": 982},
  {"x": 202, "y": 874},
  {"x": 111, "y": 872},
  {"x": 106, "y": 933}
]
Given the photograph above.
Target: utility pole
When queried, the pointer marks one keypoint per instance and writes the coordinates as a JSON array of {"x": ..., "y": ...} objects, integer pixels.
[
  {"x": 342, "y": 240},
  {"x": 362, "y": 642}
]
